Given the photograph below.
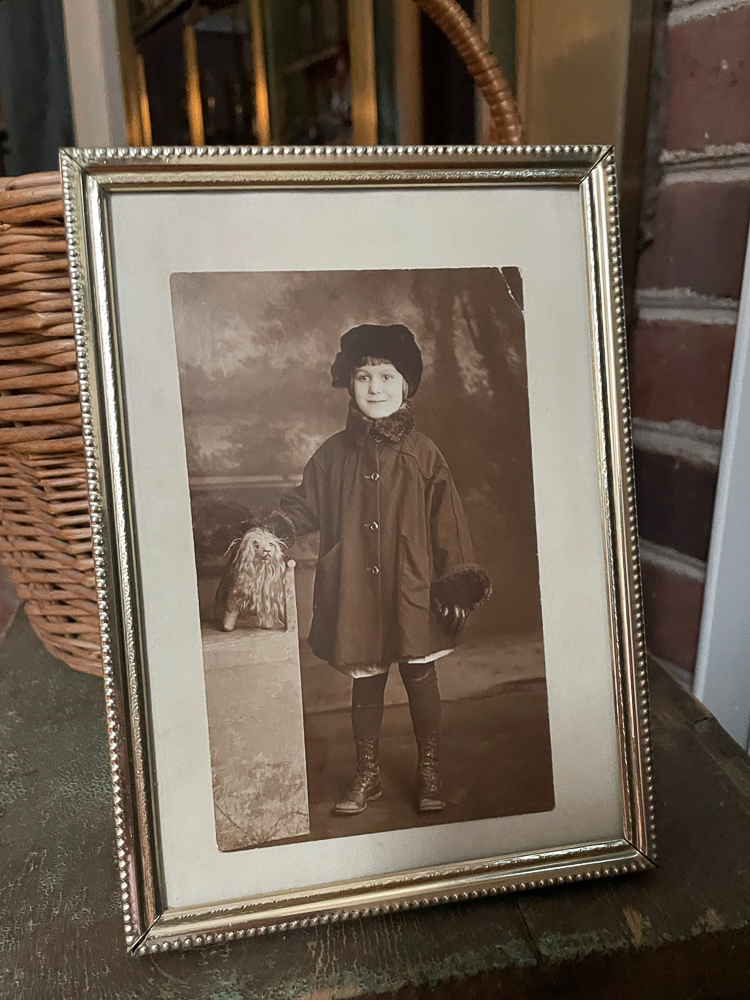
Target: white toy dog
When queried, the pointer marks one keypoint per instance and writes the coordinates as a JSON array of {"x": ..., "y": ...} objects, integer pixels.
[{"x": 253, "y": 579}]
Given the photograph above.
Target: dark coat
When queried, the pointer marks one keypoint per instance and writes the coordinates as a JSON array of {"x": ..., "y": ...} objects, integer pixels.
[{"x": 394, "y": 543}]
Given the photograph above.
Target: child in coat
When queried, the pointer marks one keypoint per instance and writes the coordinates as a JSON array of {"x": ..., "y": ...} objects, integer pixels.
[{"x": 396, "y": 576}]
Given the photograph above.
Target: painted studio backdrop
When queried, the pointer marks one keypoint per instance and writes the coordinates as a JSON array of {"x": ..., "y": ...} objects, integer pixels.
[{"x": 255, "y": 351}]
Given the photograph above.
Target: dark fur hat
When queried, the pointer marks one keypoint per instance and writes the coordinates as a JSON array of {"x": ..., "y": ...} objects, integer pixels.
[{"x": 396, "y": 343}]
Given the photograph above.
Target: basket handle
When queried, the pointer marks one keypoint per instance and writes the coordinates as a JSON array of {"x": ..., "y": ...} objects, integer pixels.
[{"x": 480, "y": 62}]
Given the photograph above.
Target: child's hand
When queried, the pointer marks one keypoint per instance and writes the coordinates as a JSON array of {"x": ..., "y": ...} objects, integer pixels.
[{"x": 454, "y": 618}]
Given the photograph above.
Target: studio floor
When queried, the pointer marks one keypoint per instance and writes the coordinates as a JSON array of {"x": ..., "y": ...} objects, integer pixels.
[
  {"x": 495, "y": 761},
  {"x": 282, "y": 757}
]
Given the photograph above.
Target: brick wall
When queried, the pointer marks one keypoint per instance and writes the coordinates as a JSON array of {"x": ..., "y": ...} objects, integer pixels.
[{"x": 688, "y": 287}]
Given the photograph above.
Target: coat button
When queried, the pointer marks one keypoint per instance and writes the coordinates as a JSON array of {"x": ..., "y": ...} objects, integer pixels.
[
  {"x": 374, "y": 476},
  {"x": 374, "y": 570},
  {"x": 373, "y": 525}
]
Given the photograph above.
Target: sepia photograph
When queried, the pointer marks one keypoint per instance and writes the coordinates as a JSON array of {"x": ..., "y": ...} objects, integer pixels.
[
  {"x": 359, "y": 459},
  {"x": 362, "y": 494}
]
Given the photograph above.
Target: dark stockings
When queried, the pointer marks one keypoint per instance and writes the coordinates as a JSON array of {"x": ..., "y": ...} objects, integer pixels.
[
  {"x": 420, "y": 681},
  {"x": 367, "y": 706}
]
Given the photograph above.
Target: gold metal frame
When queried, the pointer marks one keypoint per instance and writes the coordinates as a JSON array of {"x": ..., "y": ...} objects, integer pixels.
[{"x": 90, "y": 179}]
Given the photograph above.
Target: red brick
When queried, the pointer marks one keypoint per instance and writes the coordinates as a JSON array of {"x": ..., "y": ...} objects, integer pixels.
[
  {"x": 680, "y": 371},
  {"x": 700, "y": 236},
  {"x": 675, "y": 498},
  {"x": 710, "y": 81},
  {"x": 672, "y": 606}
]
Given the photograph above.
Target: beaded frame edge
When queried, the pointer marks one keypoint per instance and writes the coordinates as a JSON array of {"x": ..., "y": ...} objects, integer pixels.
[{"x": 75, "y": 162}]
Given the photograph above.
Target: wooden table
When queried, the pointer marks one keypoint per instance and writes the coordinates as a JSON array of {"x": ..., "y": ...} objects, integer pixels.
[{"x": 682, "y": 931}]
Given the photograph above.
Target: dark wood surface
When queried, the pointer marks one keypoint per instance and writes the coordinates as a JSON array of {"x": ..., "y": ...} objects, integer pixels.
[{"x": 680, "y": 931}]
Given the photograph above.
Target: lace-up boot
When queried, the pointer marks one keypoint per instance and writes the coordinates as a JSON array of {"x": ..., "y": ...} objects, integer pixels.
[
  {"x": 429, "y": 786},
  {"x": 366, "y": 785}
]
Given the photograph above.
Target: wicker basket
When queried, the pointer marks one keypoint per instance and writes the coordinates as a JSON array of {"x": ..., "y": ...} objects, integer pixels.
[
  {"x": 45, "y": 529},
  {"x": 45, "y": 532}
]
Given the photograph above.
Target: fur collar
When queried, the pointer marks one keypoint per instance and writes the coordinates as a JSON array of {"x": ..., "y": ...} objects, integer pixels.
[{"x": 386, "y": 430}]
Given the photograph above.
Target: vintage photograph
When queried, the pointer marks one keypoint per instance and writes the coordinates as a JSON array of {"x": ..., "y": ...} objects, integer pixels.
[
  {"x": 359, "y": 458},
  {"x": 361, "y": 486}
]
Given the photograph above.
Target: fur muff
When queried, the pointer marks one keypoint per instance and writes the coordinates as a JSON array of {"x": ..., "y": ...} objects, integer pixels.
[
  {"x": 253, "y": 581},
  {"x": 465, "y": 587}
]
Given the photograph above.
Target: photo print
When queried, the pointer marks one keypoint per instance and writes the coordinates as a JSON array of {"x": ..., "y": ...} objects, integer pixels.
[{"x": 359, "y": 456}]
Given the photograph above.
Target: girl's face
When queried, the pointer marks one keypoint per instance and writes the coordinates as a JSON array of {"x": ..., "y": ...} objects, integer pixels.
[{"x": 379, "y": 390}]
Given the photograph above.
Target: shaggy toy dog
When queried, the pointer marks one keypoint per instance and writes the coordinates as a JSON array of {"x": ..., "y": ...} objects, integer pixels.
[{"x": 253, "y": 579}]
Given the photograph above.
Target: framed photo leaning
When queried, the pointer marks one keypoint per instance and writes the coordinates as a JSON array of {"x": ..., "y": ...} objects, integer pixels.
[{"x": 361, "y": 487}]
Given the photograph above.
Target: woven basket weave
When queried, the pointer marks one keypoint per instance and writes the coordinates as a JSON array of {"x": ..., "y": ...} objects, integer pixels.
[
  {"x": 45, "y": 531},
  {"x": 45, "y": 528}
]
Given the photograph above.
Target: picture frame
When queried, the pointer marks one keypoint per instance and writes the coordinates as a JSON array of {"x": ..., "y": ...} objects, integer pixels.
[{"x": 182, "y": 257}]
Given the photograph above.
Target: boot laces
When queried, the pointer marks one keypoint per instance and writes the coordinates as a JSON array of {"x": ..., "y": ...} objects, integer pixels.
[
  {"x": 428, "y": 767},
  {"x": 363, "y": 780},
  {"x": 430, "y": 781}
]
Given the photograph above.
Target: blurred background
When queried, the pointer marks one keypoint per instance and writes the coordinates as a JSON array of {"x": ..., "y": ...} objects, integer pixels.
[
  {"x": 177, "y": 72},
  {"x": 301, "y": 71}
]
